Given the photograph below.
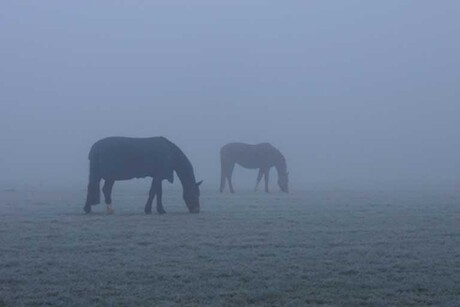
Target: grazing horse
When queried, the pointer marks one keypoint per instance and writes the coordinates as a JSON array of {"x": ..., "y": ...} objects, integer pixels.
[
  {"x": 262, "y": 156},
  {"x": 123, "y": 158}
]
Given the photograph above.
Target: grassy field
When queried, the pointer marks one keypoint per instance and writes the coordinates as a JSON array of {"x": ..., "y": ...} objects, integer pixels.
[{"x": 306, "y": 248}]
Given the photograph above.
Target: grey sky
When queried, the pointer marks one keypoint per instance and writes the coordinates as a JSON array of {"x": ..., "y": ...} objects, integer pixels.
[{"x": 357, "y": 94}]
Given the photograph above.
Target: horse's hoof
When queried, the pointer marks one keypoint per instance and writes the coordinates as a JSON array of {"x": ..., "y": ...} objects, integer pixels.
[
  {"x": 87, "y": 210},
  {"x": 148, "y": 211},
  {"x": 162, "y": 211},
  {"x": 109, "y": 210}
]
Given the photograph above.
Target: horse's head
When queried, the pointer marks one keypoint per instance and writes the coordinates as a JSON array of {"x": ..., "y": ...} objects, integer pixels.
[
  {"x": 283, "y": 182},
  {"x": 192, "y": 197}
]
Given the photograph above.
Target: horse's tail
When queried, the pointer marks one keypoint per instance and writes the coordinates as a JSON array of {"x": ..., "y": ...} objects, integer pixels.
[{"x": 94, "y": 192}]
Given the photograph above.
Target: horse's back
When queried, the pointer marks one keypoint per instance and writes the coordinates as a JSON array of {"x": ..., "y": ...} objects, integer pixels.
[
  {"x": 121, "y": 158},
  {"x": 248, "y": 155},
  {"x": 237, "y": 147}
]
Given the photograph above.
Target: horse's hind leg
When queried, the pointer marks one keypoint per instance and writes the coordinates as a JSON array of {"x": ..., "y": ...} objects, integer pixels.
[
  {"x": 229, "y": 177},
  {"x": 107, "y": 190},
  {"x": 266, "y": 175},
  {"x": 259, "y": 177},
  {"x": 222, "y": 181},
  {"x": 94, "y": 192},
  {"x": 159, "y": 192},
  {"x": 93, "y": 195},
  {"x": 226, "y": 174},
  {"x": 152, "y": 192}
]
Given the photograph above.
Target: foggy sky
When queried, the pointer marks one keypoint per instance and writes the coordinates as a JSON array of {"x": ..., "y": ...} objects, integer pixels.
[{"x": 356, "y": 94}]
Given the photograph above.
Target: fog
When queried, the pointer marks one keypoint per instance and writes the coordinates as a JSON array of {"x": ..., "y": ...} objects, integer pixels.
[{"x": 356, "y": 94}]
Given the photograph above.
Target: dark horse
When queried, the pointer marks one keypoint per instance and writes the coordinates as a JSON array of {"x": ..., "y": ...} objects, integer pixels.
[
  {"x": 262, "y": 156},
  {"x": 122, "y": 158}
]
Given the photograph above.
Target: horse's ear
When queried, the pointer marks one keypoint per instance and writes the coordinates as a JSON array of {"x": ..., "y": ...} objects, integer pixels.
[{"x": 198, "y": 183}]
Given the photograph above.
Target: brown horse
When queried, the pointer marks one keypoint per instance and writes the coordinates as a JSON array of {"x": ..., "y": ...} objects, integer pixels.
[
  {"x": 260, "y": 156},
  {"x": 122, "y": 158}
]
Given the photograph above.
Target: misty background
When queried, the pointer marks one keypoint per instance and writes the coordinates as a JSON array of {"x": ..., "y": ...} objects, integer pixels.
[{"x": 356, "y": 94}]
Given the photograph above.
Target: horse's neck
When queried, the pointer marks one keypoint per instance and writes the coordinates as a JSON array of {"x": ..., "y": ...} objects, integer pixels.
[
  {"x": 280, "y": 165},
  {"x": 183, "y": 168}
]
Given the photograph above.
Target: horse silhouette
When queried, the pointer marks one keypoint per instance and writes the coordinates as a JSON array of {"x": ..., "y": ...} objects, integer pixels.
[
  {"x": 260, "y": 156},
  {"x": 123, "y": 158}
]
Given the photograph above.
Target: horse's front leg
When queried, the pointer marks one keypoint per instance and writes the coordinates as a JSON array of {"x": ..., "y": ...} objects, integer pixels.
[
  {"x": 148, "y": 205},
  {"x": 159, "y": 192}
]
